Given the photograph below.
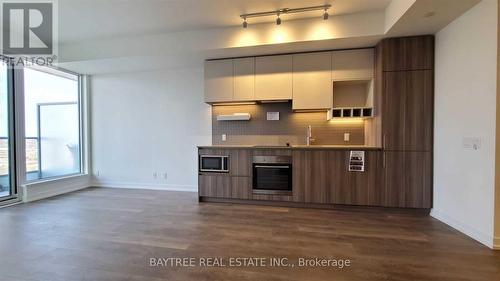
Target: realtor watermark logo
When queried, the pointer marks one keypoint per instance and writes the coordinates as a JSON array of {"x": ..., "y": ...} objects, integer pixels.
[{"x": 29, "y": 34}]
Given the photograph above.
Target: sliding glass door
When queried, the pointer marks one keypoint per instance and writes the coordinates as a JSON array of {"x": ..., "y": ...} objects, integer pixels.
[{"x": 7, "y": 185}]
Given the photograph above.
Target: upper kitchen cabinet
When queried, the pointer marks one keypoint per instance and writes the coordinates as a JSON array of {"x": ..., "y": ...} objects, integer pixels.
[
  {"x": 244, "y": 79},
  {"x": 351, "y": 65},
  {"x": 273, "y": 77},
  {"x": 312, "y": 81},
  {"x": 407, "y": 53},
  {"x": 219, "y": 83}
]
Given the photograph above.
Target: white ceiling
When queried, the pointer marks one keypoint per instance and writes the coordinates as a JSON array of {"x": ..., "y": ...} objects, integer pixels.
[{"x": 92, "y": 19}]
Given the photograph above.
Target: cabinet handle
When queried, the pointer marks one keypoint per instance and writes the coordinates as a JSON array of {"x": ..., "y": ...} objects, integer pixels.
[
  {"x": 384, "y": 140},
  {"x": 383, "y": 159}
]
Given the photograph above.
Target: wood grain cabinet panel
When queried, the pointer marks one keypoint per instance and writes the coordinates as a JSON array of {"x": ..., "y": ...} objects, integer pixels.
[
  {"x": 312, "y": 81},
  {"x": 394, "y": 179},
  {"x": 273, "y": 77},
  {"x": 244, "y": 79},
  {"x": 240, "y": 163},
  {"x": 407, "y": 53},
  {"x": 393, "y": 110},
  {"x": 358, "y": 188},
  {"x": 407, "y": 179},
  {"x": 240, "y": 188},
  {"x": 219, "y": 85},
  {"x": 418, "y": 179},
  {"x": 419, "y": 110},
  {"x": 316, "y": 173},
  {"x": 298, "y": 175},
  {"x": 407, "y": 118},
  {"x": 217, "y": 186}
]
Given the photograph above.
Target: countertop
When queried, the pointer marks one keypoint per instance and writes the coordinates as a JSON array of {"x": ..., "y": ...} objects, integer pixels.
[{"x": 293, "y": 147}]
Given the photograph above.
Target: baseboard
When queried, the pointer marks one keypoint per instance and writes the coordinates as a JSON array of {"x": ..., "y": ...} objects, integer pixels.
[
  {"x": 472, "y": 232},
  {"x": 496, "y": 243},
  {"x": 37, "y": 191},
  {"x": 150, "y": 186}
]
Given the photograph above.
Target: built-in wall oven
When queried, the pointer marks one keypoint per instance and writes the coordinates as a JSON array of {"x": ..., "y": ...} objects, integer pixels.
[
  {"x": 214, "y": 163},
  {"x": 272, "y": 175}
]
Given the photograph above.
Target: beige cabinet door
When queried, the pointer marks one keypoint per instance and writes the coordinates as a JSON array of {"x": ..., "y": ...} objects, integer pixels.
[
  {"x": 273, "y": 78},
  {"x": 219, "y": 81},
  {"x": 312, "y": 81},
  {"x": 244, "y": 79},
  {"x": 353, "y": 64}
]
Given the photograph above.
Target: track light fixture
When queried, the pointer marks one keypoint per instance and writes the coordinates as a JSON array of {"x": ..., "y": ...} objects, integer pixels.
[{"x": 285, "y": 11}]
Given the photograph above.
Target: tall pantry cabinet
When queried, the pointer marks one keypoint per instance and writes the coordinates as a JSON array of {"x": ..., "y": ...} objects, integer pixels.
[{"x": 405, "y": 73}]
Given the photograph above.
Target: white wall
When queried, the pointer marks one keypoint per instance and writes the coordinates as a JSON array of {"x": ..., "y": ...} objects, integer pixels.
[
  {"x": 465, "y": 97},
  {"x": 147, "y": 122}
]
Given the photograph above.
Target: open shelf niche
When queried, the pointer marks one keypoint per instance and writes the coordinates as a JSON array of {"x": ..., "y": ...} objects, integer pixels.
[{"x": 352, "y": 99}]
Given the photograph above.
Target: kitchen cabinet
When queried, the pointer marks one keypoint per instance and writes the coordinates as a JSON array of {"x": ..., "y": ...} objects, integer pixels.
[
  {"x": 219, "y": 84},
  {"x": 419, "y": 110},
  {"x": 244, "y": 79},
  {"x": 357, "y": 188},
  {"x": 407, "y": 116},
  {"x": 351, "y": 65},
  {"x": 241, "y": 188},
  {"x": 393, "y": 110},
  {"x": 240, "y": 162},
  {"x": 312, "y": 81},
  {"x": 407, "y": 179},
  {"x": 323, "y": 177},
  {"x": 273, "y": 77},
  {"x": 407, "y": 53},
  {"x": 216, "y": 186},
  {"x": 311, "y": 169}
]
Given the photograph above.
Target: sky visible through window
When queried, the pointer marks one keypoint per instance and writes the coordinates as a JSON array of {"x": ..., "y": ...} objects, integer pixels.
[{"x": 41, "y": 87}]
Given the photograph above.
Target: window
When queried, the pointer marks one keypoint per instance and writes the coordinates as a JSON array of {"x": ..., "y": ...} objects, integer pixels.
[
  {"x": 7, "y": 187},
  {"x": 52, "y": 124}
]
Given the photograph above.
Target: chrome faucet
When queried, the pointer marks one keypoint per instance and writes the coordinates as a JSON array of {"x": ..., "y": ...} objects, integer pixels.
[{"x": 309, "y": 138}]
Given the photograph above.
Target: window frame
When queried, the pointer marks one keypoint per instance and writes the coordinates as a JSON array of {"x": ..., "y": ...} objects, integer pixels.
[
  {"x": 81, "y": 123},
  {"x": 13, "y": 180}
]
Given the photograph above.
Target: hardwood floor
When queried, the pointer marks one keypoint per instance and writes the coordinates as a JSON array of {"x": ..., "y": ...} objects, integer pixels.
[{"x": 111, "y": 234}]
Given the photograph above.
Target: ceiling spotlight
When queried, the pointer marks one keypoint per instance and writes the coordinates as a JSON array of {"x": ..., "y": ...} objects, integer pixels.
[{"x": 287, "y": 11}]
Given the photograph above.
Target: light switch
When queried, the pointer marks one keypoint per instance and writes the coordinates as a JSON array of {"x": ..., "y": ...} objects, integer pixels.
[
  {"x": 472, "y": 143},
  {"x": 347, "y": 136},
  {"x": 224, "y": 137}
]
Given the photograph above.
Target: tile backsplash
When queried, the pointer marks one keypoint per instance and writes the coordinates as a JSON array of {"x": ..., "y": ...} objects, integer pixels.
[{"x": 291, "y": 127}]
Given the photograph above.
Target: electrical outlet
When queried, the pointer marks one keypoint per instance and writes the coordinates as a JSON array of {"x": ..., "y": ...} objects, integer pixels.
[
  {"x": 347, "y": 136},
  {"x": 224, "y": 137}
]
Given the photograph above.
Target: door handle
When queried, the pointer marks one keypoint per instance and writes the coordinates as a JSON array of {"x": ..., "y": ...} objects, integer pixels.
[{"x": 272, "y": 167}]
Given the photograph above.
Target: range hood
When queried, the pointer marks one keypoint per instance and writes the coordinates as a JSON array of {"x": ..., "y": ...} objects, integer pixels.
[{"x": 234, "y": 117}]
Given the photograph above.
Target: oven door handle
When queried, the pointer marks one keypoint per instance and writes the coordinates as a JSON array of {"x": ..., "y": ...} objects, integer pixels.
[{"x": 276, "y": 167}]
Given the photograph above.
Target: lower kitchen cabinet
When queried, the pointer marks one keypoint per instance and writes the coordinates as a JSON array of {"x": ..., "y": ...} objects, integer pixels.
[
  {"x": 218, "y": 186},
  {"x": 324, "y": 177},
  {"x": 224, "y": 186},
  {"x": 240, "y": 188},
  {"x": 407, "y": 179},
  {"x": 358, "y": 188}
]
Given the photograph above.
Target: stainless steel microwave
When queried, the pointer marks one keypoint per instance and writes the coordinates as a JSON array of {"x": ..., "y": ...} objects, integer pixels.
[{"x": 214, "y": 163}]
